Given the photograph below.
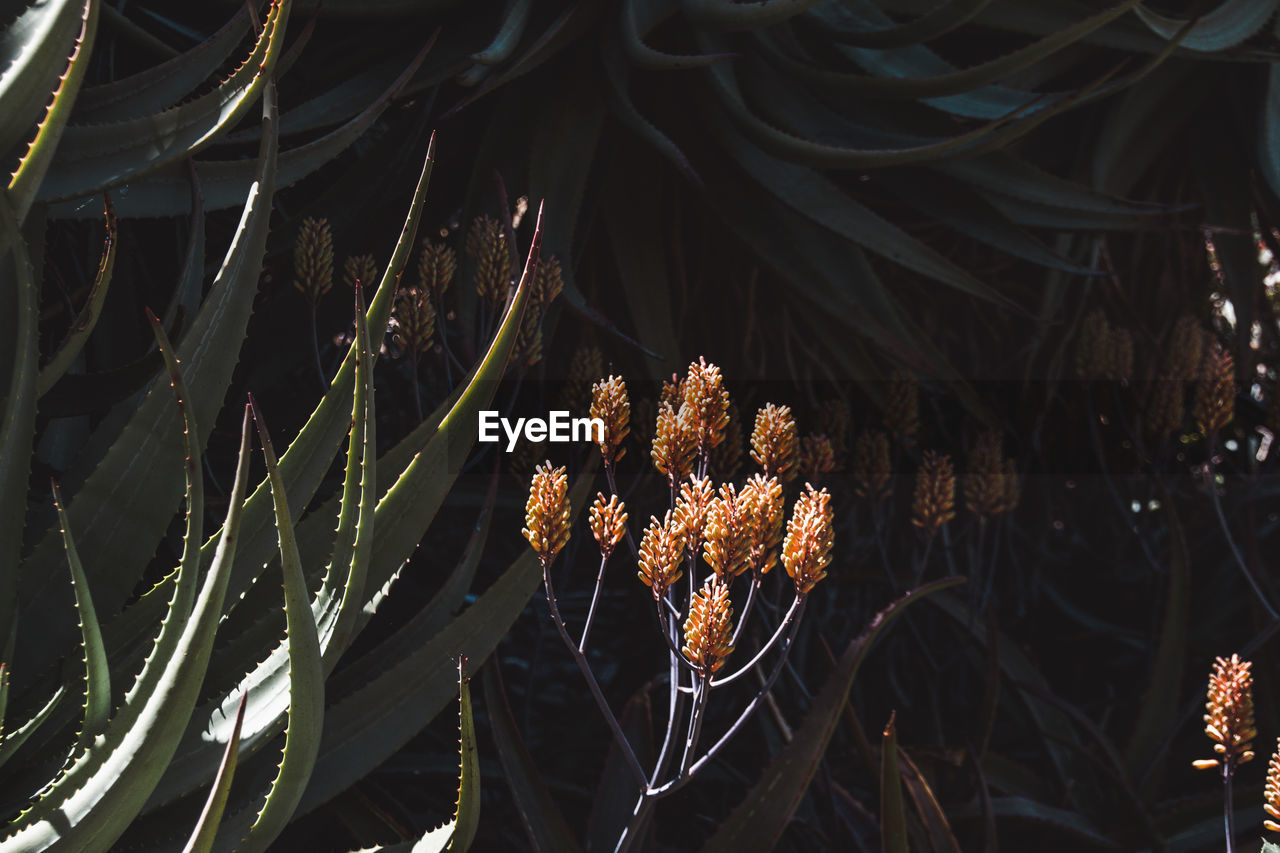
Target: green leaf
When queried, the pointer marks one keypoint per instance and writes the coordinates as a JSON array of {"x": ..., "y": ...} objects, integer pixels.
[
  {"x": 13, "y": 740},
  {"x": 33, "y": 53},
  {"x": 18, "y": 426},
  {"x": 206, "y": 829},
  {"x": 366, "y": 726},
  {"x": 142, "y": 471},
  {"x": 102, "y": 789},
  {"x": 35, "y": 163},
  {"x": 758, "y": 821},
  {"x": 306, "y": 672},
  {"x": 544, "y": 824},
  {"x": 163, "y": 85},
  {"x": 893, "y": 813},
  {"x": 466, "y": 815},
  {"x": 936, "y": 22},
  {"x": 1223, "y": 27},
  {"x": 817, "y": 199},
  {"x": 224, "y": 183},
  {"x": 927, "y": 806},
  {"x": 1069, "y": 824},
  {"x": 87, "y": 319},
  {"x": 97, "y": 681},
  {"x": 93, "y": 157}
]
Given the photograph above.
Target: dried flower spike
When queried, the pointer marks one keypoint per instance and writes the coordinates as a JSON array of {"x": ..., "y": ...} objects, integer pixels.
[
  {"x": 833, "y": 422},
  {"x": 1165, "y": 404},
  {"x": 1228, "y": 719},
  {"x": 902, "y": 408},
  {"x": 984, "y": 483},
  {"x": 1118, "y": 366},
  {"x": 546, "y": 515},
  {"x": 313, "y": 259},
  {"x": 816, "y": 457},
  {"x": 672, "y": 392},
  {"x": 708, "y": 632},
  {"x": 673, "y": 450},
  {"x": 705, "y": 404},
  {"x": 547, "y": 284},
  {"x": 437, "y": 264},
  {"x": 1272, "y": 791},
  {"x": 1186, "y": 348},
  {"x": 609, "y": 403},
  {"x": 774, "y": 446},
  {"x": 661, "y": 551},
  {"x": 806, "y": 551},
  {"x": 360, "y": 268},
  {"x": 487, "y": 247},
  {"x": 727, "y": 534},
  {"x": 934, "y": 503},
  {"x": 871, "y": 466},
  {"x": 1093, "y": 345},
  {"x": 692, "y": 507},
  {"x": 608, "y": 522},
  {"x": 762, "y": 501},
  {"x": 1216, "y": 393},
  {"x": 585, "y": 367},
  {"x": 415, "y": 318}
]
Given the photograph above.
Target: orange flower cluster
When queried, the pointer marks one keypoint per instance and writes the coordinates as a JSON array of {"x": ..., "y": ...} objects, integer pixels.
[{"x": 547, "y": 512}]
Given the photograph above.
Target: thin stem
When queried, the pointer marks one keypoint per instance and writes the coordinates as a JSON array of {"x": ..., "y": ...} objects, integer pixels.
[
  {"x": 695, "y": 721},
  {"x": 315, "y": 350},
  {"x": 792, "y": 612},
  {"x": 1231, "y": 542},
  {"x": 595, "y": 597},
  {"x": 1228, "y": 813},
  {"x": 746, "y": 610},
  {"x": 675, "y": 784},
  {"x": 581, "y": 661},
  {"x": 672, "y": 646},
  {"x": 444, "y": 344}
]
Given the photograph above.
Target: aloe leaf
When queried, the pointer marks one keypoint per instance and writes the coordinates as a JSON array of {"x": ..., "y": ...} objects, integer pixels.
[
  {"x": 949, "y": 201},
  {"x": 102, "y": 789},
  {"x": 507, "y": 38},
  {"x": 32, "y": 169},
  {"x": 919, "y": 73},
  {"x": 544, "y": 824},
  {"x": 466, "y": 814},
  {"x": 927, "y": 806},
  {"x": 87, "y": 319},
  {"x": 936, "y": 22},
  {"x": 93, "y": 157},
  {"x": 893, "y": 813},
  {"x": 97, "y": 682},
  {"x": 206, "y": 828},
  {"x": 11, "y": 741},
  {"x": 366, "y": 726},
  {"x": 353, "y": 542},
  {"x": 1069, "y": 824},
  {"x": 163, "y": 85},
  {"x": 637, "y": 19},
  {"x": 4, "y": 696},
  {"x": 1222, "y": 27},
  {"x": 18, "y": 427},
  {"x": 143, "y": 469},
  {"x": 816, "y": 198},
  {"x": 1158, "y": 711},
  {"x": 728, "y": 15},
  {"x": 407, "y": 508},
  {"x": 33, "y": 53},
  {"x": 428, "y": 621},
  {"x": 758, "y": 821},
  {"x": 373, "y": 9},
  {"x": 306, "y": 673}
]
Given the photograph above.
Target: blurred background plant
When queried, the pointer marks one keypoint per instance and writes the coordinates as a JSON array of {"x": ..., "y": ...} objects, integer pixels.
[{"x": 1022, "y": 253}]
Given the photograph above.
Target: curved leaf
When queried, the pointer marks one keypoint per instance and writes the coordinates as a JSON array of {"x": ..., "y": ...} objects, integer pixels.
[
  {"x": 206, "y": 829},
  {"x": 893, "y": 812},
  {"x": 1223, "y": 27},
  {"x": 93, "y": 157},
  {"x": 33, "y": 53},
  {"x": 758, "y": 821}
]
